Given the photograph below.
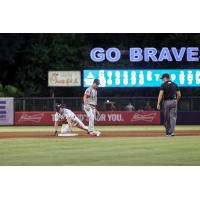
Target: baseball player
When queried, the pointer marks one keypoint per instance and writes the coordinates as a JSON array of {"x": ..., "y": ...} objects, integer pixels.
[
  {"x": 90, "y": 103},
  {"x": 69, "y": 120},
  {"x": 170, "y": 92}
]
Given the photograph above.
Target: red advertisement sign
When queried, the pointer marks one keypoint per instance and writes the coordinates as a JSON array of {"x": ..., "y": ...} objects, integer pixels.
[{"x": 106, "y": 118}]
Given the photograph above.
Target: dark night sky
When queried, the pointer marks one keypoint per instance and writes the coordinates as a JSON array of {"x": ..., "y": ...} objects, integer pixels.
[{"x": 26, "y": 58}]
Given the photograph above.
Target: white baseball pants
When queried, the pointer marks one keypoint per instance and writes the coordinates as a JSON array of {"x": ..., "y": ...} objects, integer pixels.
[
  {"x": 91, "y": 113},
  {"x": 78, "y": 123}
]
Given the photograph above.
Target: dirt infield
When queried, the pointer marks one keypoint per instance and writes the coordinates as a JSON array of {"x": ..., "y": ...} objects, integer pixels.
[{"x": 104, "y": 134}]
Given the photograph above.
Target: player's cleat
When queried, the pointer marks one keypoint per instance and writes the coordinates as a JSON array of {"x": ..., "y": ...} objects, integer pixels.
[
  {"x": 54, "y": 134},
  {"x": 172, "y": 134},
  {"x": 168, "y": 134},
  {"x": 98, "y": 133},
  {"x": 94, "y": 133},
  {"x": 91, "y": 133}
]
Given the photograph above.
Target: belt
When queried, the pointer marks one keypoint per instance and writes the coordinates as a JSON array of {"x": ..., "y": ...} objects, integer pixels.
[
  {"x": 94, "y": 106},
  {"x": 169, "y": 99}
]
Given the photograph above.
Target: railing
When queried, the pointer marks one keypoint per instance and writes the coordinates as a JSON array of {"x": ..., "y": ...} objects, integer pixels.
[{"x": 104, "y": 103}]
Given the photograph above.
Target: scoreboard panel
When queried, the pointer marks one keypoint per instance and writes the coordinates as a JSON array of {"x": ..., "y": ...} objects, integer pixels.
[{"x": 141, "y": 78}]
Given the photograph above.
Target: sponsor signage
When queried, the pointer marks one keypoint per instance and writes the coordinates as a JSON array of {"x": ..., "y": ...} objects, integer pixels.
[
  {"x": 106, "y": 118},
  {"x": 141, "y": 78},
  {"x": 6, "y": 111},
  {"x": 34, "y": 118},
  {"x": 64, "y": 78}
]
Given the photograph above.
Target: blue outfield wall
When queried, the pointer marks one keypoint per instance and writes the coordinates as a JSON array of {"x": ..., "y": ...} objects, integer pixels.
[{"x": 186, "y": 118}]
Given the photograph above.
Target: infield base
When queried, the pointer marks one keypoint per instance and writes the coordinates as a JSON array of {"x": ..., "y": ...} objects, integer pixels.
[{"x": 67, "y": 134}]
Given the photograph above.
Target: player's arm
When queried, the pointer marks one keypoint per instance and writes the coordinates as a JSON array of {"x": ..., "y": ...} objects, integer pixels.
[
  {"x": 178, "y": 94},
  {"x": 160, "y": 96},
  {"x": 97, "y": 113},
  {"x": 85, "y": 100},
  {"x": 56, "y": 124},
  {"x": 56, "y": 127}
]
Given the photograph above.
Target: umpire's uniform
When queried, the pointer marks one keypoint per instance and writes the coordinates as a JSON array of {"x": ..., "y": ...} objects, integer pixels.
[{"x": 169, "y": 105}]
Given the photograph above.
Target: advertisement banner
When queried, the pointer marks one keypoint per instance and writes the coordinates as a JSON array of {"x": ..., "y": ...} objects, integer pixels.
[
  {"x": 6, "y": 111},
  {"x": 106, "y": 118},
  {"x": 64, "y": 78}
]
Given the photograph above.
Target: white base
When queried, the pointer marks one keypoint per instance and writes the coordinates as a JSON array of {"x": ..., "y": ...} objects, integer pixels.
[{"x": 67, "y": 134}]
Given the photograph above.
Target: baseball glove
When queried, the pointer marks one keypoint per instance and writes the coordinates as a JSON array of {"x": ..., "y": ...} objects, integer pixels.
[
  {"x": 64, "y": 121},
  {"x": 87, "y": 107}
]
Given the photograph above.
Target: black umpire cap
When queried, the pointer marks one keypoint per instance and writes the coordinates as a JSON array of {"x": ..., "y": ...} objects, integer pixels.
[
  {"x": 97, "y": 81},
  {"x": 165, "y": 76},
  {"x": 58, "y": 107}
]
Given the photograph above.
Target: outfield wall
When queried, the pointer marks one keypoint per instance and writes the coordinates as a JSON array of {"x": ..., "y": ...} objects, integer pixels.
[
  {"x": 106, "y": 118},
  {"x": 109, "y": 118},
  {"x": 188, "y": 118},
  {"x": 6, "y": 111}
]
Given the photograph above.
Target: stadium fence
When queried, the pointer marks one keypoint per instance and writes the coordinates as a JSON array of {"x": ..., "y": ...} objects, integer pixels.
[{"x": 104, "y": 103}]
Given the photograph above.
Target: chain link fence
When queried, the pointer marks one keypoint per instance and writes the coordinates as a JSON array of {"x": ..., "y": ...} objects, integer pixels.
[{"x": 104, "y": 103}]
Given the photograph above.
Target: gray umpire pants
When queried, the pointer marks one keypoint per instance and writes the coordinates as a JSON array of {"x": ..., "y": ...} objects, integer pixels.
[{"x": 170, "y": 115}]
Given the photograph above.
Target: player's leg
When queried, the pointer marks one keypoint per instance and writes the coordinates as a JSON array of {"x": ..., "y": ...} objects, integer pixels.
[
  {"x": 98, "y": 133},
  {"x": 173, "y": 117},
  {"x": 166, "y": 116},
  {"x": 65, "y": 129},
  {"x": 80, "y": 124},
  {"x": 94, "y": 112},
  {"x": 90, "y": 116}
]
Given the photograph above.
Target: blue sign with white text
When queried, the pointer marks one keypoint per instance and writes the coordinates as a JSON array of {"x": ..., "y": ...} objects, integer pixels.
[{"x": 141, "y": 78}]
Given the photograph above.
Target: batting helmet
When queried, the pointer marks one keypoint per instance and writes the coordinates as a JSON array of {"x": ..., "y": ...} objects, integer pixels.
[{"x": 58, "y": 107}]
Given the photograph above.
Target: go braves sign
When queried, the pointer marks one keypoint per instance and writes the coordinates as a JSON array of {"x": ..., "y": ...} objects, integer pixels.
[
  {"x": 106, "y": 118},
  {"x": 147, "y": 54}
]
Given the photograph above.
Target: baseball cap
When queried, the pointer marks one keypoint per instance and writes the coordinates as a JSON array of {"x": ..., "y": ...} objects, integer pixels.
[
  {"x": 58, "y": 107},
  {"x": 97, "y": 81},
  {"x": 165, "y": 76}
]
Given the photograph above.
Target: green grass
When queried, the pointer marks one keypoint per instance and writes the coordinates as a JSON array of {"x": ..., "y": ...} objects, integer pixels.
[{"x": 101, "y": 151}]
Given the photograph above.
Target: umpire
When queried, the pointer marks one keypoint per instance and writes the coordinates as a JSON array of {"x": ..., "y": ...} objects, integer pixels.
[{"x": 170, "y": 93}]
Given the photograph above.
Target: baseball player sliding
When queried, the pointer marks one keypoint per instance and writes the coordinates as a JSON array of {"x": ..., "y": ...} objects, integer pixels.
[
  {"x": 90, "y": 103},
  {"x": 69, "y": 120}
]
